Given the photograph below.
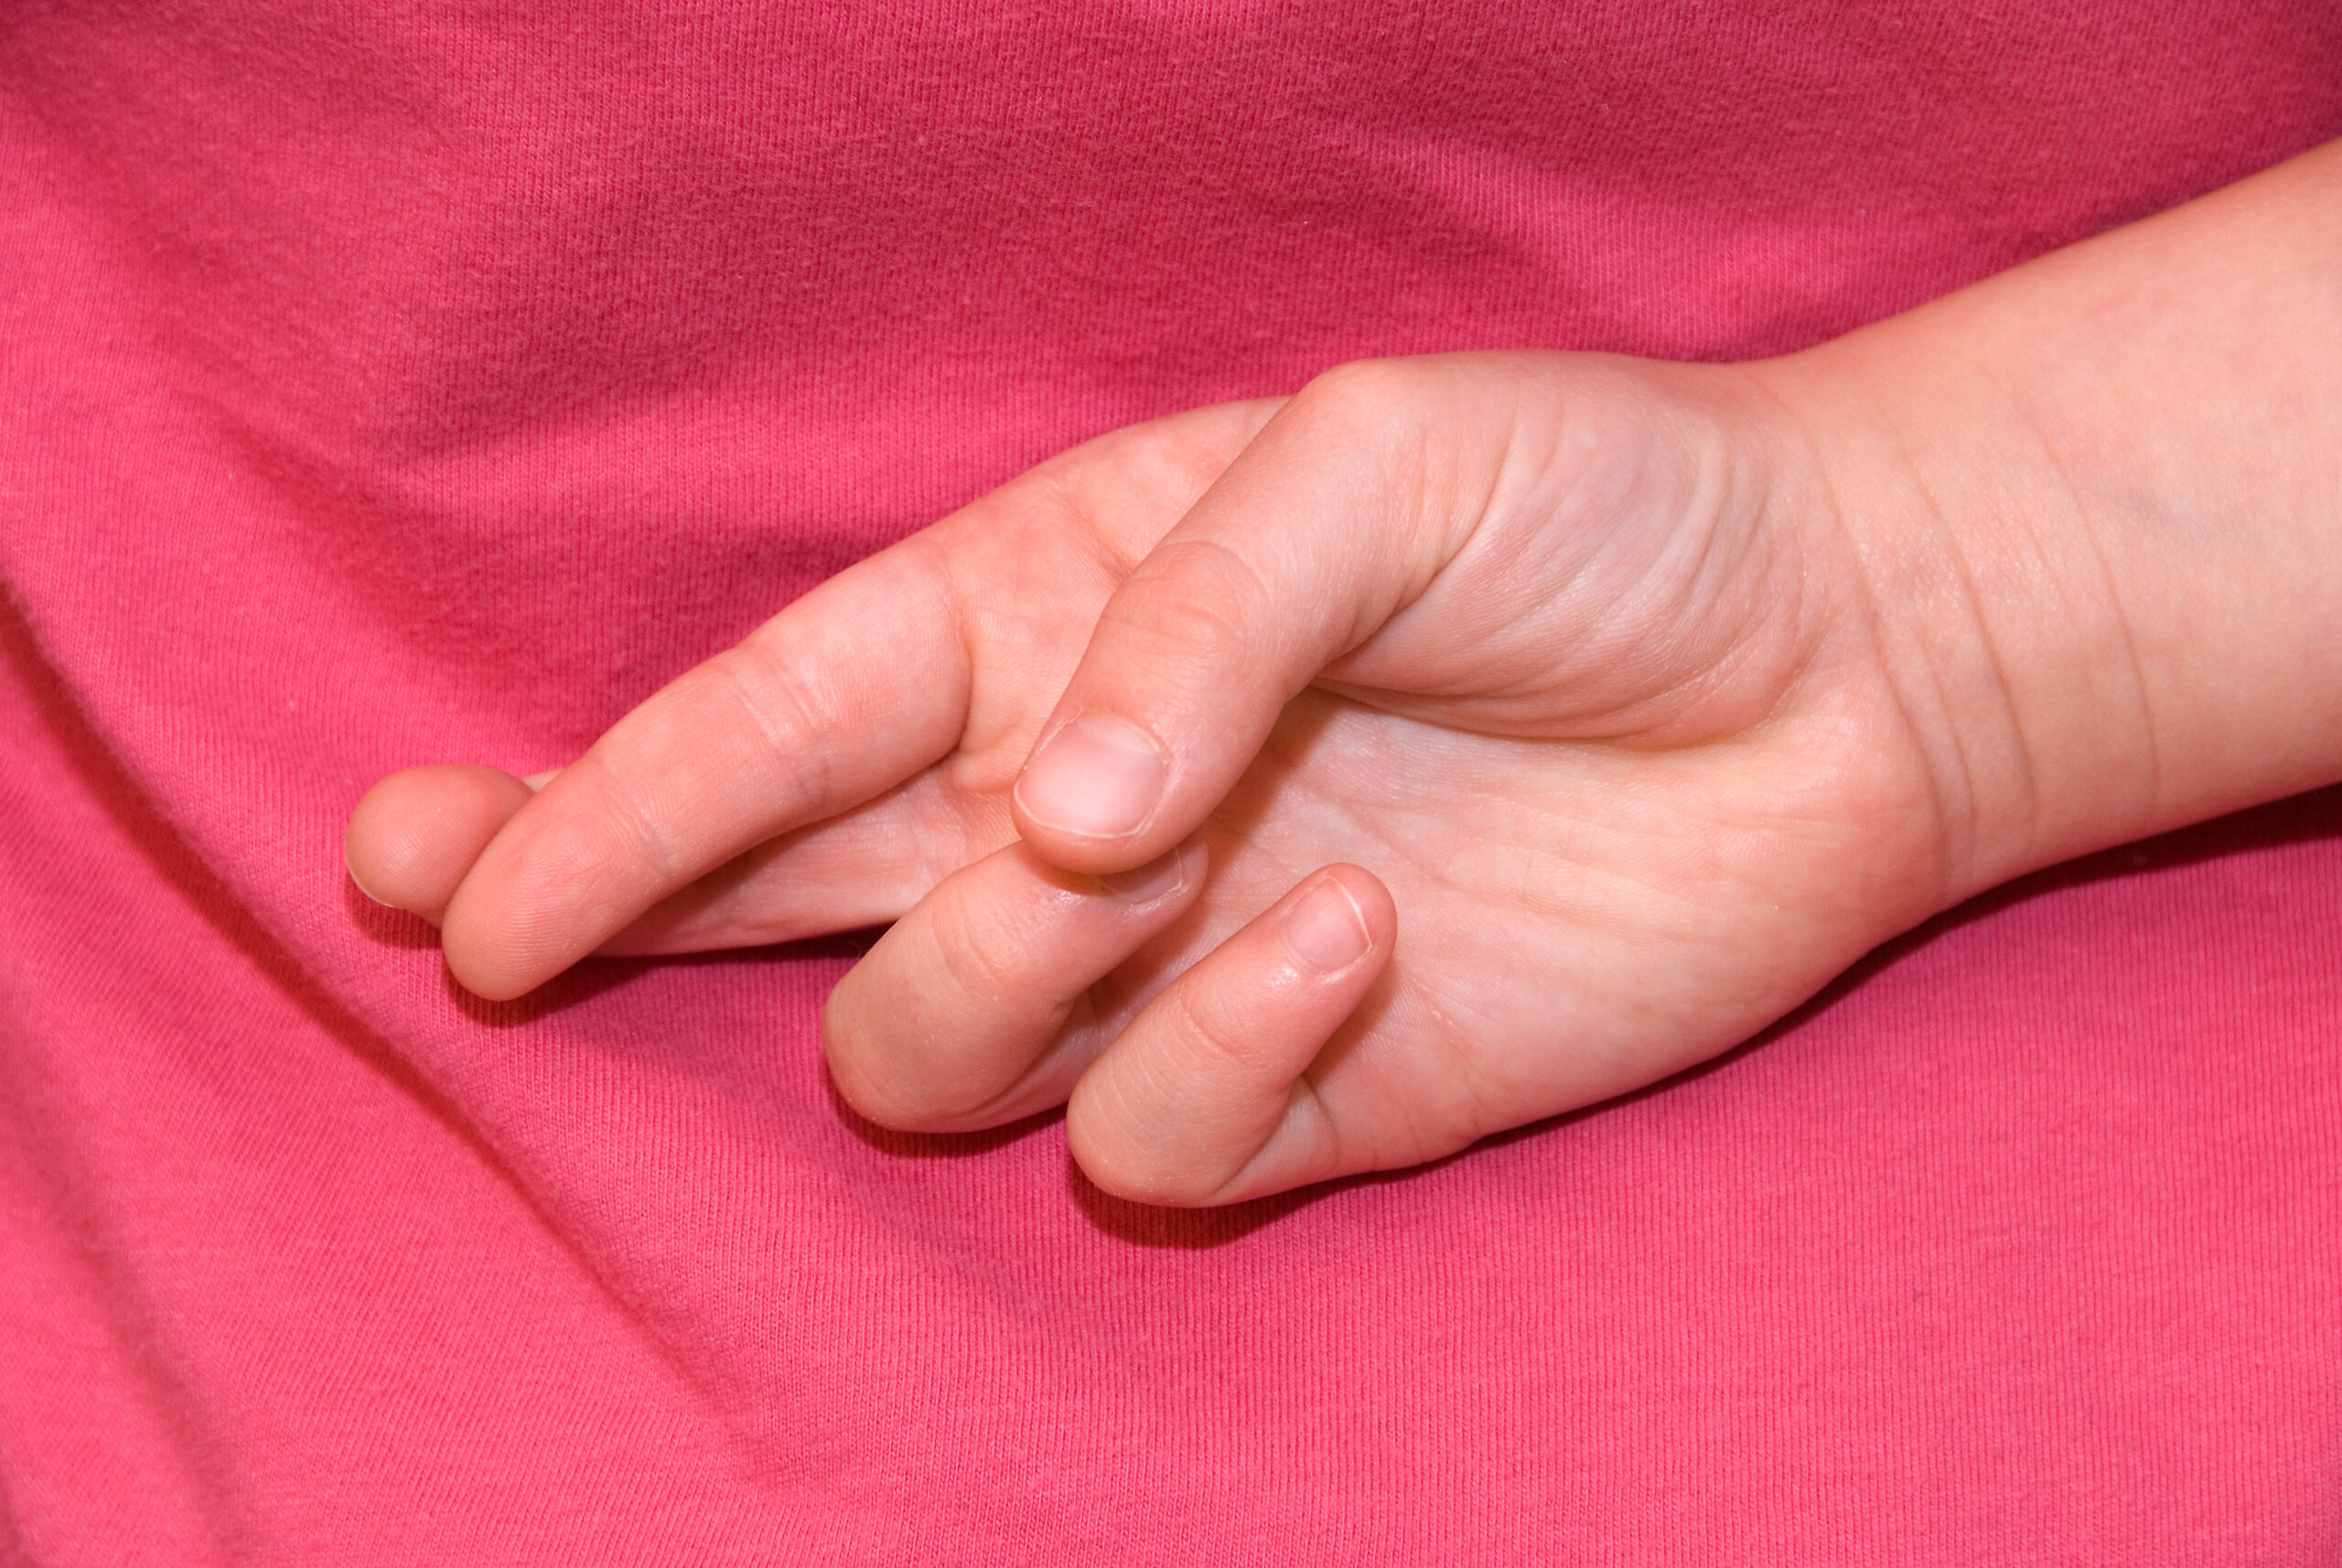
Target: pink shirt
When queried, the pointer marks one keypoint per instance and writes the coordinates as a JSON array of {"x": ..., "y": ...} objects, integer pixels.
[{"x": 411, "y": 381}]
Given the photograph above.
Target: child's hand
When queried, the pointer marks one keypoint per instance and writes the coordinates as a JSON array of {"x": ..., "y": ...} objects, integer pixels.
[
  {"x": 1467, "y": 740},
  {"x": 1568, "y": 655}
]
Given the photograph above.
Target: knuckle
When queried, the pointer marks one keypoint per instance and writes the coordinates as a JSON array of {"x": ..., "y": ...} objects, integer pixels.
[
  {"x": 983, "y": 956},
  {"x": 1363, "y": 394},
  {"x": 630, "y": 805},
  {"x": 786, "y": 713},
  {"x": 1197, "y": 592},
  {"x": 1210, "y": 1037},
  {"x": 1385, "y": 431}
]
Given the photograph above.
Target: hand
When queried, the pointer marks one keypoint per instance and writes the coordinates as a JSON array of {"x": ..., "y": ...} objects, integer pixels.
[
  {"x": 1472, "y": 738},
  {"x": 1465, "y": 740}
]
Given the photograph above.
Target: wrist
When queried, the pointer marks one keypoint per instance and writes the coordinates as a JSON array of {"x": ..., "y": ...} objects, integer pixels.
[
  {"x": 2096, "y": 505},
  {"x": 1999, "y": 642}
]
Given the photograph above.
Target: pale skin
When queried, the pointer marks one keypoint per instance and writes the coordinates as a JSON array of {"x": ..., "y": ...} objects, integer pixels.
[{"x": 1314, "y": 786}]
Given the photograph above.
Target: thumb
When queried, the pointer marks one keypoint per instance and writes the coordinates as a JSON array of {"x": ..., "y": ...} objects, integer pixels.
[{"x": 1329, "y": 522}]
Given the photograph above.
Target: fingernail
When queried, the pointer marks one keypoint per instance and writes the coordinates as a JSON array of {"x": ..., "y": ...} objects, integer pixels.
[
  {"x": 1156, "y": 880},
  {"x": 1325, "y": 930},
  {"x": 1097, "y": 778},
  {"x": 362, "y": 886}
]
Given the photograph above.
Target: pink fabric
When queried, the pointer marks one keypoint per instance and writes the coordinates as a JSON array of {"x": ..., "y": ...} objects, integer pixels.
[{"x": 403, "y": 381}]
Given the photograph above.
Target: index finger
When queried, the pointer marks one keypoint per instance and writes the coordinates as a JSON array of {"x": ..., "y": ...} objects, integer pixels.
[{"x": 850, "y": 690}]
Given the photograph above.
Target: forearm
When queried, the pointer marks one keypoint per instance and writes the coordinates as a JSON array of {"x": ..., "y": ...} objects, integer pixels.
[{"x": 2098, "y": 500}]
